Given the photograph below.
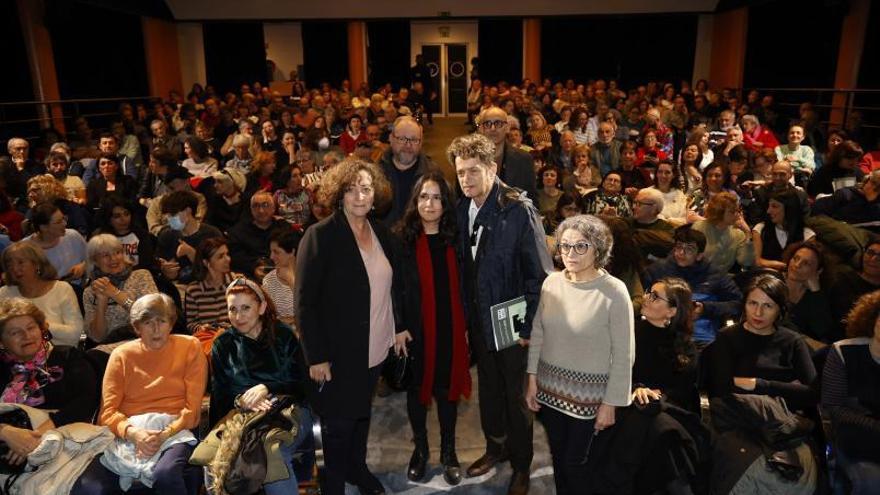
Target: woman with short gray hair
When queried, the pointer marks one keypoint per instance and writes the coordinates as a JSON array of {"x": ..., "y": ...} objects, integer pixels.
[
  {"x": 582, "y": 349},
  {"x": 113, "y": 289}
]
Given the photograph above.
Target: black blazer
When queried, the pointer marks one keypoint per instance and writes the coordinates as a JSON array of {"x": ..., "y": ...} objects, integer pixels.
[
  {"x": 332, "y": 296},
  {"x": 517, "y": 170}
]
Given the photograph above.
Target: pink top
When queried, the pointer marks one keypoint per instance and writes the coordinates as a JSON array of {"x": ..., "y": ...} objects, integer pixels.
[{"x": 381, "y": 310}]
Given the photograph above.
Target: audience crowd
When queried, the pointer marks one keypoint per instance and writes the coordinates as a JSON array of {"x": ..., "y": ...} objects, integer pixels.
[{"x": 651, "y": 245}]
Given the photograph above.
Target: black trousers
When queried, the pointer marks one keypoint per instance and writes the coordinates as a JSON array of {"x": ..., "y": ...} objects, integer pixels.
[
  {"x": 569, "y": 440},
  {"x": 345, "y": 450},
  {"x": 447, "y": 413},
  {"x": 507, "y": 424}
]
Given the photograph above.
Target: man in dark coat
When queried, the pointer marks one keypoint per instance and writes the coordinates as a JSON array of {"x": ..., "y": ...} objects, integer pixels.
[
  {"x": 503, "y": 256},
  {"x": 515, "y": 167},
  {"x": 403, "y": 164},
  {"x": 249, "y": 238}
]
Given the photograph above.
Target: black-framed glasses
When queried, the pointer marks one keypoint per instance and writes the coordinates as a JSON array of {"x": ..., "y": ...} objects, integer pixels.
[
  {"x": 493, "y": 124},
  {"x": 407, "y": 140},
  {"x": 579, "y": 247},
  {"x": 688, "y": 249},
  {"x": 652, "y": 296},
  {"x": 872, "y": 253}
]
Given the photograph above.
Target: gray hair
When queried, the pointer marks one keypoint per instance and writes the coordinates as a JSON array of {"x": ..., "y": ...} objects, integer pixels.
[
  {"x": 244, "y": 124},
  {"x": 100, "y": 244},
  {"x": 404, "y": 119},
  {"x": 749, "y": 118},
  {"x": 595, "y": 231},
  {"x": 12, "y": 141},
  {"x": 654, "y": 195},
  {"x": 472, "y": 146},
  {"x": 152, "y": 306},
  {"x": 241, "y": 140}
]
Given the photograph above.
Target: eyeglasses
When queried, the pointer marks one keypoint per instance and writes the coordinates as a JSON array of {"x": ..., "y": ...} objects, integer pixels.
[
  {"x": 408, "y": 140},
  {"x": 871, "y": 253},
  {"x": 579, "y": 247},
  {"x": 688, "y": 249},
  {"x": 493, "y": 124},
  {"x": 652, "y": 296}
]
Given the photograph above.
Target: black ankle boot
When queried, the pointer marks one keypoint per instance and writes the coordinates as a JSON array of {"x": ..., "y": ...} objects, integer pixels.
[
  {"x": 418, "y": 463},
  {"x": 451, "y": 468}
]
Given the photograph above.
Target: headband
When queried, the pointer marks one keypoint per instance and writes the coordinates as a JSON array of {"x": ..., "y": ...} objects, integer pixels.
[{"x": 250, "y": 284}]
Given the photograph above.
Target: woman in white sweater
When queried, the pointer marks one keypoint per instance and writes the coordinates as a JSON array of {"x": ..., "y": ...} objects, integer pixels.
[
  {"x": 582, "y": 349},
  {"x": 29, "y": 274}
]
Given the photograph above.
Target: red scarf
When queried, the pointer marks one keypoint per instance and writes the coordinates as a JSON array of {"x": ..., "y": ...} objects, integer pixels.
[{"x": 460, "y": 379}]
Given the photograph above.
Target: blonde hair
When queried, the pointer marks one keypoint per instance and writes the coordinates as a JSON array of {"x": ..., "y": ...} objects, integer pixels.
[
  {"x": 31, "y": 252},
  {"x": 19, "y": 306},
  {"x": 50, "y": 187}
]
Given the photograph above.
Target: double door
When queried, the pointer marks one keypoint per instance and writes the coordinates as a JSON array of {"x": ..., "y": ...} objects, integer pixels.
[{"x": 449, "y": 73}]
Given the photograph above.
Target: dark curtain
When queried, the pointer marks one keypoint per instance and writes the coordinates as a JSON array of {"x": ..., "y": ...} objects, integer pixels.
[
  {"x": 235, "y": 53},
  {"x": 325, "y": 52},
  {"x": 501, "y": 45},
  {"x": 99, "y": 53},
  {"x": 793, "y": 44},
  {"x": 388, "y": 57},
  {"x": 15, "y": 84},
  {"x": 632, "y": 49}
]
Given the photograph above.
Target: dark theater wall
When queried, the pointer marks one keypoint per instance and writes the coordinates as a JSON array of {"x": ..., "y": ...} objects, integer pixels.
[
  {"x": 501, "y": 44},
  {"x": 388, "y": 58},
  {"x": 234, "y": 53},
  {"x": 325, "y": 52},
  {"x": 99, "y": 53},
  {"x": 793, "y": 43},
  {"x": 631, "y": 49}
]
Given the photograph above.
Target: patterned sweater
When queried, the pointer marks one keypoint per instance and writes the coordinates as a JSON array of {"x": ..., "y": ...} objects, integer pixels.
[{"x": 582, "y": 346}]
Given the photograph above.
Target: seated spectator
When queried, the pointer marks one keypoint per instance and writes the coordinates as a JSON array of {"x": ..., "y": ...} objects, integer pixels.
[
  {"x": 294, "y": 202},
  {"x": 626, "y": 261},
  {"x": 850, "y": 387},
  {"x": 608, "y": 200},
  {"x": 667, "y": 182},
  {"x": 578, "y": 125},
  {"x": 784, "y": 215},
  {"x": 809, "y": 307},
  {"x": 65, "y": 248},
  {"x": 56, "y": 378},
  {"x": 849, "y": 285},
  {"x": 835, "y": 138},
  {"x": 540, "y": 134},
  {"x": 153, "y": 181},
  {"x": 199, "y": 161},
  {"x": 561, "y": 155},
  {"x": 114, "y": 287},
  {"x": 262, "y": 175},
  {"x": 109, "y": 179},
  {"x": 108, "y": 146},
  {"x": 781, "y": 180},
  {"x": 585, "y": 177},
  {"x": 650, "y": 153},
  {"x": 728, "y": 236},
  {"x": 841, "y": 170},
  {"x": 28, "y": 274},
  {"x": 46, "y": 189},
  {"x": 755, "y": 136},
  {"x": 549, "y": 191},
  {"x": 855, "y": 205},
  {"x": 257, "y": 359},
  {"x": 568, "y": 205},
  {"x": 605, "y": 153},
  {"x": 716, "y": 179},
  {"x": 666, "y": 358},
  {"x": 716, "y": 297},
  {"x": 242, "y": 153},
  {"x": 354, "y": 134},
  {"x": 18, "y": 169},
  {"x": 645, "y": 217},
  {"x": 760, "y": 357},
  {"x": 689, "y": 163},
  {"x": 116, "y": 218},
  {"x": 278, "y": 284},
  {"x": 10, "y": 218},
  {"x": 204, "y": 304},
  {"x": 634, "y": 178},
  {"x": 176, "y": 246},
  {"x": 800, "y": 156},
  {"x": 227, "y": 205},
  {"x": 249, "y": 238},
  {"x": 58, "y": 164},
  {"x": 151, "y": 398},
  {"x": 176, "y": 179}
]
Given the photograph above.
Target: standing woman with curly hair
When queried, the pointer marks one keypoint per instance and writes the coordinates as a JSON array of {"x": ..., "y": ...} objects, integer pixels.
[
  {"x": 347, "y": 298},
  {"x": 435, "y": 318}
]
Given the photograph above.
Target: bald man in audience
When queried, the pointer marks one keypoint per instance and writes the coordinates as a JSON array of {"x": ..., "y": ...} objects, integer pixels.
[
  {"x": 249, "y": 238},
  {"x": 781, "y": 181},
  {"x": 515, "y": 167}
]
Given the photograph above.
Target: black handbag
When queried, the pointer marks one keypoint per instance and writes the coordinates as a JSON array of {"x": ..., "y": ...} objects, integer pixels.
[
  {"x": 398, "y": 371},
  {"x": 17, "y": 418}
]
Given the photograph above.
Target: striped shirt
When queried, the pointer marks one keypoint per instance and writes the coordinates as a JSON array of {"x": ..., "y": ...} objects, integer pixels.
[
  {"x": 206, "y": 305},
  {"x": 280, "y": 293}
]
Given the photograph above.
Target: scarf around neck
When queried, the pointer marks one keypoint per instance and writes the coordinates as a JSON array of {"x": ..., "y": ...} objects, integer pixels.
[{"x": 29, "y": 377}]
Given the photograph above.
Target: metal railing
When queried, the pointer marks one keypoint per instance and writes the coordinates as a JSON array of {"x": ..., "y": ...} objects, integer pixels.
[
  {"x": 28, "y": 118},
  {"x": 865, "y": 101}
]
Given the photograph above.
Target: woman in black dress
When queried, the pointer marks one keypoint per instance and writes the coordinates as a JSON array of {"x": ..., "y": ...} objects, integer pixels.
[{"x": 435, "y": 318}]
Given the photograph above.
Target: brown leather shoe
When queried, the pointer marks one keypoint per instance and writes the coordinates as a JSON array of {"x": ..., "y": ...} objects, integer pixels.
[
  {"x": 519, "y": 484},
  {"x": 482, "y": 465}
]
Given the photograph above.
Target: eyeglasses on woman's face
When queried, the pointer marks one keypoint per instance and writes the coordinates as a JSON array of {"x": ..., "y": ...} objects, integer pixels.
[
  {"x": 579, "y": 247},
  {"x": 652, "y": 296}
]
